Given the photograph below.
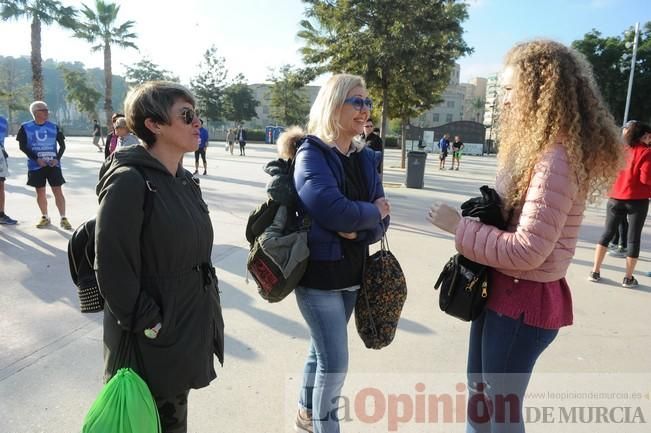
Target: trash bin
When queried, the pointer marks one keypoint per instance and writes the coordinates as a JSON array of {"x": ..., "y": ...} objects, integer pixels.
[
  {"x": 415, "y": 169},
  {"x": 276, "y": 132}
]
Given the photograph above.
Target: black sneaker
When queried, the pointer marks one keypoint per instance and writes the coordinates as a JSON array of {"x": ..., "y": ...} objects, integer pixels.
[
  {"x": 594, "y": 277},
  {"x": 4, "y": 219},
  {"x": 629, "y": 283}
]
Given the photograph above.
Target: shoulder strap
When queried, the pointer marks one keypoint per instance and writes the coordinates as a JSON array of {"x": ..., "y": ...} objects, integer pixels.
[
  {"x": 128, "y": 341},
  {"x": 150, "y": 188}
]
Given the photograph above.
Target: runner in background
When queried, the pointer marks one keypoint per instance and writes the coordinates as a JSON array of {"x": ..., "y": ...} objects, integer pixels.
[
  {"x": 4, "y": 171},
  {"x": 201, "y": 151},
  {"x": 457, "y": 147},
  {"x": 97, "y": 135},
  {"x": 38, "y": 140}
]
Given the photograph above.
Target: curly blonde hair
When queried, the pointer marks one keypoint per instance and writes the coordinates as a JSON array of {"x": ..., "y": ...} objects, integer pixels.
[{"x": 555, "y": 100}]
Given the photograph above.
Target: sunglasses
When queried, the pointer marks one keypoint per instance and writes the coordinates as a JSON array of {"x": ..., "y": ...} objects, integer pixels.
[
  {"x": 45, "y": 110},
  {"x": 188, "y": 115},
  {"x": 359, "y": 103}
]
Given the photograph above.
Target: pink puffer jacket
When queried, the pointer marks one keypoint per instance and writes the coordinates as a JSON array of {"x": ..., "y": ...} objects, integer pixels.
[{"x": 541, "y": 238}]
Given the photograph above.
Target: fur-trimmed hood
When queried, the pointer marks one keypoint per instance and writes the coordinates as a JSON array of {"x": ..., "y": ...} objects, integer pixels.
[{"x": 288, "y": 142}]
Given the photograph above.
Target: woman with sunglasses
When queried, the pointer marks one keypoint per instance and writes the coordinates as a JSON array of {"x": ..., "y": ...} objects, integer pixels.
[
  {"x": 153, "y": 241},
  {"x": 629, "y": 198},
  {"x": 340, "y": 190}
]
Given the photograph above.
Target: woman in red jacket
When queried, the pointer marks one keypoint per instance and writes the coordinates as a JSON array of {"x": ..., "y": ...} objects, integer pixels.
[{"x": 628, "y": 198}]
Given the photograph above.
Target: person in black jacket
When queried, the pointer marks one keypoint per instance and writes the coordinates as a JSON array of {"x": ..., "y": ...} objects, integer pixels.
[
  {"x": 240, "y": 136},
  {"x": 341, "y": 192},
  {"x": 154, "y": 271},
  {"x": 373, "y": 140}
]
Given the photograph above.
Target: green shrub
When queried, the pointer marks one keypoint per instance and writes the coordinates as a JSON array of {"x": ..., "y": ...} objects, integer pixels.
[
  {"x": 392, "y": 142},
  {"x": 255, "y": 135}
]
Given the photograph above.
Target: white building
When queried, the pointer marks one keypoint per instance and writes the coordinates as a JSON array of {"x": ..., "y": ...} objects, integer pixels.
[
  {"x": 491, "y": 108},
  {"x": 475, "y": 99},
  {"x": 458, "y": 102},
  {"x": 261, "y": 93}
]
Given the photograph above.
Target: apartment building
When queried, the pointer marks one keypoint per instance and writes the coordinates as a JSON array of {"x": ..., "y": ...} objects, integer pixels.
[{"x": 460, "y": 102}]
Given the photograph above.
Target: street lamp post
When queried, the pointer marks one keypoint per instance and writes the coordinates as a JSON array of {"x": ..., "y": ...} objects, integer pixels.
[
  {"x": 490, "y": 131},
  {"x": 630, "y": 77}
]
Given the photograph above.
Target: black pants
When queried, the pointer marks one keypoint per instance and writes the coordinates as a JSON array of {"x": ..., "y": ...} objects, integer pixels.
[
  {"x": 621, "y": 235},
  {"x": 242, "y": 146},
  {"x": 198, "y": 153},
  {"x": 617, "y": 211},
  {"x": 173, "y": 413}
]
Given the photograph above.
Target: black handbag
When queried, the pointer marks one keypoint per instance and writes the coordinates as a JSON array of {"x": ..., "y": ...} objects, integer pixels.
[
  {"x": 464, "y": 283},
  {"x": 464, "y": 288}
]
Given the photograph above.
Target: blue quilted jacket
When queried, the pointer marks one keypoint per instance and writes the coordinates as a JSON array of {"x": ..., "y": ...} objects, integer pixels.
[{"x": 319, "y": 181}]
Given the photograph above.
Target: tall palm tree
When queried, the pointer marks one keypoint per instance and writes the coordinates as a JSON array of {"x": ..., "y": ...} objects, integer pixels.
[
  {"x": 99, "y": 27},
  {"x": 40, "y": 12}
]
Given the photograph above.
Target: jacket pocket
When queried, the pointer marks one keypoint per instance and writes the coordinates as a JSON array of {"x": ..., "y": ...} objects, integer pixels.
[{"x": 168, "y": 305}]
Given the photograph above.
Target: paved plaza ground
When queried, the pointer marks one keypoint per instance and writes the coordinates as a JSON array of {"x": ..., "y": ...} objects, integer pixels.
[{"x": 51, "y": 354}]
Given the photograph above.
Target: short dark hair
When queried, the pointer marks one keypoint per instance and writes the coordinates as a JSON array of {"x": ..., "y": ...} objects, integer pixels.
[
  {"x": 634, "y": 131},
  {"x": 153, "y": 100}
]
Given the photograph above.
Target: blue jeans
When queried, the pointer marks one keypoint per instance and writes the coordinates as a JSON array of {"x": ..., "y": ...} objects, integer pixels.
[
  {"x": 501, "y": 356},
  {"x": 326, "y": 314}
]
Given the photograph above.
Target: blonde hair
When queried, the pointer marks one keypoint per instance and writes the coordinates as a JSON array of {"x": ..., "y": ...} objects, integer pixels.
[
  {"x": 120, "y": 122},
  {"x": 555, "y": 100},
  {"x": 324, "y": 114}
]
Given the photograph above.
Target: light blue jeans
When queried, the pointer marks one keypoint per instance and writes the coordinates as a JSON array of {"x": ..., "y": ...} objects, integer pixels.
[{"x": 326, "y": 314}]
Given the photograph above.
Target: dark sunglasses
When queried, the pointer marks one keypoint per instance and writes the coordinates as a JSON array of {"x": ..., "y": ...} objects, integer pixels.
[
  {"x": 359, "y": 103},
  {"x": 188, "y": 115}
]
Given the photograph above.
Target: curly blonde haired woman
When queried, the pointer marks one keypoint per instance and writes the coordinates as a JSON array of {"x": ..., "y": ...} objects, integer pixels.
[{"x": 559, "y": 147}]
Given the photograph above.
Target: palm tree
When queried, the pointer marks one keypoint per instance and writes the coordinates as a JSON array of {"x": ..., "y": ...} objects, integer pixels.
[
  {"x": 99, "y": 28},
  {"x": 40, "y": 12},
  {"x": 478, "y": 106}
]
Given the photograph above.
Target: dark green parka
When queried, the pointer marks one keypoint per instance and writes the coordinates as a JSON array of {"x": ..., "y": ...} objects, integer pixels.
[{"x": 169, "y": 261}]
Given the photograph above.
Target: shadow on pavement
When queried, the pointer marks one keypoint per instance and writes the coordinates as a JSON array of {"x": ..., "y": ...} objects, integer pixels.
[{"x": 41, "y": 259}]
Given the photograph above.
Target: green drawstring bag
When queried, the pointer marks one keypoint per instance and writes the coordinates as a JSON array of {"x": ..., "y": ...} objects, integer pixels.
[{"x": 125, "y": 405}]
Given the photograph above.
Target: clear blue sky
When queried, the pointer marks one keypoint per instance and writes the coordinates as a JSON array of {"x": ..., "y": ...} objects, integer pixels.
[
  {"x": 254, "y": 35},
  {"x": 494, "y": 26}
]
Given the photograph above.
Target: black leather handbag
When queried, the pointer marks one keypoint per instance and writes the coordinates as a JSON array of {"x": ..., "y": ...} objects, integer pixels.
[
  {"x": 464, "y": 288},
  {"x": 464, "y": 283}
]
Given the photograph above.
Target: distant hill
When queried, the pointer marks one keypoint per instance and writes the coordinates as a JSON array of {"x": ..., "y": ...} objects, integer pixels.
[{"x": 16, "y": 90}]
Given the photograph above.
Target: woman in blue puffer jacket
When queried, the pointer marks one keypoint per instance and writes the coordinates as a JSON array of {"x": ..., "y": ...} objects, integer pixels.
[{"x": 340, "y": 189}]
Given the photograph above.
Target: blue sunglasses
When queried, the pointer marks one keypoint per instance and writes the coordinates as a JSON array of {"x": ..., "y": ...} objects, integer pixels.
[{"x": 359, "y": 103}]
